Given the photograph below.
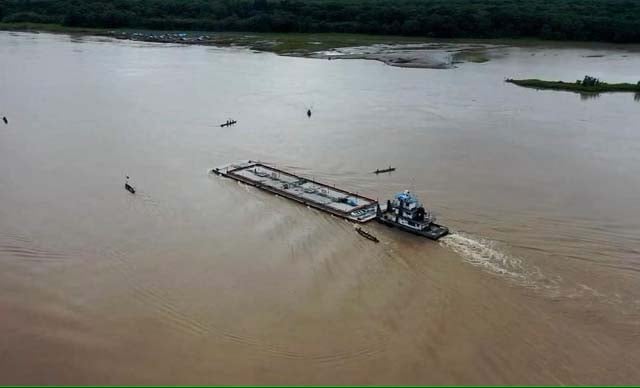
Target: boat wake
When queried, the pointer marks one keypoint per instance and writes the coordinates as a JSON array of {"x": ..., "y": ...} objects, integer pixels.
[
  {"x": 17, "y": 246},
  {"x": 489, "y": 256},
  {"x": 486, "y": 254}
]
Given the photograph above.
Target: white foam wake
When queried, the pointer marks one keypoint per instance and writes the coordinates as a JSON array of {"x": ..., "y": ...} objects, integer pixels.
[{"x": 485, "y": 254}]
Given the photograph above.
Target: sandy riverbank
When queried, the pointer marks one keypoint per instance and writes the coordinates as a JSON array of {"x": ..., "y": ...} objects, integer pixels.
[{"x": 392, "y": 50}]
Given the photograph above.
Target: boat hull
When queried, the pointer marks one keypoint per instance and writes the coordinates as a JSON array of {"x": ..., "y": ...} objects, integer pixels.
[
  {"x": 385, "y": 170},
  {"x": 434, "y": 232},
  {"x": 366, "y": 235}
]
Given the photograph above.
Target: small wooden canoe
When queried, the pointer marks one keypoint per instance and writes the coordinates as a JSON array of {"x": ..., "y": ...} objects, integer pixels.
[
  {"x": 389, "y": 169},
  {"x": 366, "y": 235},
  {"x": 228, "y": 123}
]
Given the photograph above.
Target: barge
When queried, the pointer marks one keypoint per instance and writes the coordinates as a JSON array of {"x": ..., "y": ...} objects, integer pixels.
[{"x": 341, "y": 203}]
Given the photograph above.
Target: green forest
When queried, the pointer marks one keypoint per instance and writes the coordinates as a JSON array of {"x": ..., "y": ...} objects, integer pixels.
[{"x": 580, "y": 20}]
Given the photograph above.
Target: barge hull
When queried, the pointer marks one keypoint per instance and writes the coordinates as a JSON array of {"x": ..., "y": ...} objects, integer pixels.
[{"x": 341, "y": 203}]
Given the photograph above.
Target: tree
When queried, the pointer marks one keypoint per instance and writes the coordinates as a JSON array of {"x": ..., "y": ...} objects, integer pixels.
[
  {"x": 590, "y": 81},
  {"x": 260, "y": 5},
  {"x": 602, "y": 20}
]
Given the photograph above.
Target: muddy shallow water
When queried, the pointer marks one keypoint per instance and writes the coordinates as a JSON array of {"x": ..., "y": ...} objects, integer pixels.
[
  {"x": 200, "y": 280},
  {"x": 432, "y": 55}
]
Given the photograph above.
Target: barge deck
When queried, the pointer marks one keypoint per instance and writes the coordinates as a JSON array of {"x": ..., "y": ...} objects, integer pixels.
[{"x": 341, "y": 203}]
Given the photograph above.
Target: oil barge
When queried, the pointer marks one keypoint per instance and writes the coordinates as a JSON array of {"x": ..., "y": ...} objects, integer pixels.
[
  {"x": 405, "y": 211},
  {"x": 341, "y": 203}
]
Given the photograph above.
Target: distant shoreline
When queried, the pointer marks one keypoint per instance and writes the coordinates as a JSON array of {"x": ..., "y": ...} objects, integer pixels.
[
  {"x": 410, "y": 52},
  {"x": 302, "y": 40},
  {"x": 45, "y": 27},
  {"x": 393, "y": 50}
]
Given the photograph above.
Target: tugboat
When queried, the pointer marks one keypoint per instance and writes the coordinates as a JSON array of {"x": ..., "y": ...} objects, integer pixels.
[{"x": 407, "y": 213}]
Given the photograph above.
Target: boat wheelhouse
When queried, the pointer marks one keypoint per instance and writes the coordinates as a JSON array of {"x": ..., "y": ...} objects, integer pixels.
[{"x": 406, "y": 212}]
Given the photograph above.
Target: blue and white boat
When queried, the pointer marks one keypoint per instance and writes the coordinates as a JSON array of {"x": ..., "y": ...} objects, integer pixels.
[{"x": 406, "y": 212}]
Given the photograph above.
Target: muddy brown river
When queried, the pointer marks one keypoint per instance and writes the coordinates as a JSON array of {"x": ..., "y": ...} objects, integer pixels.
[{"x": 200, "y": 280}]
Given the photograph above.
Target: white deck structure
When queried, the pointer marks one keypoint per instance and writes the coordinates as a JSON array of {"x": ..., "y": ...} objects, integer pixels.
[{"x": 339, "y": 202}]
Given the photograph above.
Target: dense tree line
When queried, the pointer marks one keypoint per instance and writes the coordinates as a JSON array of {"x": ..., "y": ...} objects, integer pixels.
[{"x": 602, "y": 20}]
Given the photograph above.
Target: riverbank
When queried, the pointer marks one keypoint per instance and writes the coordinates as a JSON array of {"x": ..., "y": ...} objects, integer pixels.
[
  {"x": 414, "y": 52},
  {"x": 579, "y": 87},
  {"x": 279, "y": 43},
  {"x": 46, "y": 27},
  {"x": 393, "y": 50}
]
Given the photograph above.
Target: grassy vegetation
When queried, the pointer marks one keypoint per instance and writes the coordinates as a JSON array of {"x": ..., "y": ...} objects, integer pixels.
[
  {"x": 474, "y": 56},
  {"x": 305, "y": 43},
  {"x": 280, "y": 43},
  {"x": 578, "y": 86},
  {"x": 49, "y": 27}
]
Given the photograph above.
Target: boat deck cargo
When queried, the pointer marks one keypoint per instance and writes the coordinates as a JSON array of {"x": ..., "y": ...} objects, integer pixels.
[{"x": 341, "y": 203}]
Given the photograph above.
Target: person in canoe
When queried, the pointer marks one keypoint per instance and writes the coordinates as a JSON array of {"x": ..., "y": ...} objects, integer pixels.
[{"x": 128, "y": 187}]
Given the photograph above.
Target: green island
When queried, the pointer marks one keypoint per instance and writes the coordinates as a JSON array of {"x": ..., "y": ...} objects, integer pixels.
[
  {"x": 577, "y": 20},
  {"x": 587, "y": 85}
]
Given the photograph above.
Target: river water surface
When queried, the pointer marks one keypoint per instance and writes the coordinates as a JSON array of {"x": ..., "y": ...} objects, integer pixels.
[{"x": 200, "y": 280}]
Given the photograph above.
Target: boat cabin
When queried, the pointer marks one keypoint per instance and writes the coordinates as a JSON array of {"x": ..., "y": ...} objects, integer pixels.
[{"x": 408, "y": 211}]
